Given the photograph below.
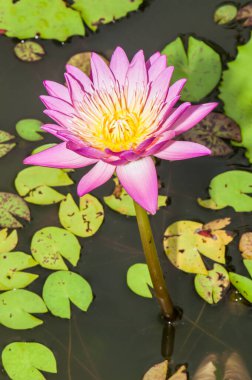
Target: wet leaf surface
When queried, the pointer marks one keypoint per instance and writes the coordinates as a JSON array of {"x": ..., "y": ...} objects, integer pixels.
[
  {"x": 121, "y": 202},
  {"x": 245, "y": 15},
  {"x": 139, "y": 280},
  {"x": 11, "y": 206},
  {"x": 95, "y": 12},
  {"x": 34, "y": 183},
  {"x": 51, "y": 244},
  {"x": 83, "y": 221},
  {"x": 213, "y": 286},
  {"x": 225, "y": 13},
  {"x": 17, "y": 307},
  {"x": 25, "y": 360},
  {"x": 83, "y": 61},
  {"x": 236, "y": 93},
  {"x": 6, "y": 147},
  {"x": 157, "y": 372},
  {"x": 241, "y": 283},
  {"x": 245, "y": 245},
  {"x": 29, "y": 129},
  {"x": 231, "y": 188},
  {"x": 48, "y": 18},
  {"x": 185, "y": 241},
  {"x": 62, "y": 287},
  {"x": 29, "y": 51},
  {"x": 201, "y": 65},
  {"x": 8, "y": 242},
  {"x": 212, "y": 130}
]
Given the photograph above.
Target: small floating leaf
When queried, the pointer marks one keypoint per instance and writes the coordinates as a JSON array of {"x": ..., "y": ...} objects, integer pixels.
[
  {"x": 12, "y": 205},
  {"x": 201, "y": 66},
  {"x": 225, "y": 13},
  {"x": 8, "y": 243},
  {"x": 139, "y": 280},
  {"x": 62, "y": 287},
  {"x": 180, "y": 374},
  {"x": 83, "y": 61},
  {"x": 157, "y": 372},
  {"x": 245, "y": 14},
  {"x": 16, "y": 307},
  {"x": 11, "y": 265},
  {"x": 84, "y": 221},
  {"x": 50, "y": 244},
  {"x": 185, "y": 241},
  {"x": 24, "y": 361},
  {"x": 230, "y": 189},
  {"x": 212, "y": 130},
  {"x": 245, "y": 245},
  {"x": 5, "y": 148},
  {"x": 29, "y": 51},
  {"x": 96, "y": 12},
  {"x": 29, "y": 129},
  {"x": 121, "y": 202},
  {"x": 35, "y": 184},
  {"x": 213, "y": 286}
]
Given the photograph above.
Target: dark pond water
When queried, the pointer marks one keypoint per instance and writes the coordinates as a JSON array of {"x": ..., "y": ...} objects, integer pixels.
[{"x": 120, "y": 336}]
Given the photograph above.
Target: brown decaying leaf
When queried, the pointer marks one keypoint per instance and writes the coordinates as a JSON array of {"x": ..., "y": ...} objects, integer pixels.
[
  {"x": 245, "y": 13},
  {"x": 245, "y": 245},
  {"x": 217, "y": 224},
  {"x": 207, "y": 369},
  {"x": 157, "y": 372},
  {"x": 29, "y": 51},
  {"x": 82, "y": 61},
  {"x": 180, "y": 374},
  {"x": 212, "y": 130}
]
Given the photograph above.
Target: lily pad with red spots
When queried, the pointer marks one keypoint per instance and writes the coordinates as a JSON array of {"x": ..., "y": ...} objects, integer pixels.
[
  {"x": 11, "y": 208},
  {"x": 5, "y": 146}
]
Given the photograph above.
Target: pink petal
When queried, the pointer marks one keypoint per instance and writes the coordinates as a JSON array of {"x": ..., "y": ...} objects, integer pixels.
[
  {"x": 61, "y": 118},
  {"x": 160, "y": 143},
  {"x": 96, "y": 177},
  {"x": 119, "y": 64},
  {"x": 182, "y": 150},
  {"x": 59, "y": 157},
  {"x": 86, "y": 151},
  {"x": 57, "y": 90},
  {"x": 136, "y": 77},
  {"x": 152, "y": 59},
  {"x": 53, "y": 129},
  {"x": 57, "y": 104},
  {"x": 81, "y": 77},
  {"x": 157, "y": 67},
  {"x": 177, "y": 112},
  {"x": 102, "y": 76},
  {"x": 139, "y": 178},
  {"x": 192, "y": 116},
  {"x": 75, "y": 90},
  {"x": 175, "y": 89}
]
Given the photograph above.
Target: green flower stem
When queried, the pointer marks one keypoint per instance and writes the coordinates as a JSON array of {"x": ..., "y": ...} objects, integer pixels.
[{"x": 153, "y": 263}]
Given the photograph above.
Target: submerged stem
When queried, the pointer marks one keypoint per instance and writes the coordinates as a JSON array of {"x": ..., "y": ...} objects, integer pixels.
[{"x": 153, "y": 263}]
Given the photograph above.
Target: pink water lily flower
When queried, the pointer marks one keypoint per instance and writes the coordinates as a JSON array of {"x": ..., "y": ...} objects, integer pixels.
[{"x": 118, "y": 119}]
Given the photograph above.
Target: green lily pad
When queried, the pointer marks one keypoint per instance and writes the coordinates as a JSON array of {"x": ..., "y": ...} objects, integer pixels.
[
  {"x": 225, "y": 13},
  {"x": 185, "y": 241},
  {"x": 241, "y": 283},
  {"x": 25, "y": 360},
  {"x": 213, "y": 286},
  {"x": 29, "y": 129},
  {"x": 83, "y": 221},
  {"x": 16, "y": 307},
  {"x": 201, "y": 65},
  {"x": 29, "y": 51},
  {"x": 11, "y": 206},
  {"x": 211, "y": 131},
  {"x": 8, "y": 242},
  {"x": 62, "y": 287},
  {"x": 6, "y": 147},
  {"x": 245, "y": 14},
  {"x": 96, "y": 12},
  {"x": 34, "y": 183},
  {"x": 236, "y": 93},
  {"x": 11, "y": 265},
  {"x": 42, "y": 147},
  {"x": 121, "y": 202},
  {"x": 51, "y": 19},
  {"x": 230, "y": 189},
  {"x": 50, "y": 244},
  {"x": 139, "y": 280}
]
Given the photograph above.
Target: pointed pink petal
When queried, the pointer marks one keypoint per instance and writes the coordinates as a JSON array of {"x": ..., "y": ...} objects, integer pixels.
[
  {"x": 119, "y": 64},
  {"x": 157, "y": 67},
  {"x": 53, "y": 129},
  {"x": 192, "y": 116},
  {"x": 160, "y": 86},
  {"x": 61, "y": 118},
  {"x": 136, "y": 78},
  {"x": 59, "y": 157},
  {"x": 139, "y": 178},
  {"x": 175, "y": 89},
  {"x": 182, "y": 150},
  {"x": 75, "y": 90},
  {"x": 102, "y": 76},
  {"x": 160, "y": 143},
  {"x": 86, "y": 151},
  {"x": 152, "y": 59},
  {"x": 81, "y": 77},
  {"x": 57, "y": 90},
  {"x": 96, "y": 177},
  {"x": 57, "y": 104},
  {"x": 175, "y": 114}
]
